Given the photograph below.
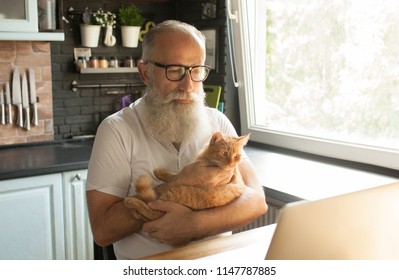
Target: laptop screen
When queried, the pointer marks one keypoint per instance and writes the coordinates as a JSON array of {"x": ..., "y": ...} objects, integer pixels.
[{"x": 359, "y": 225}]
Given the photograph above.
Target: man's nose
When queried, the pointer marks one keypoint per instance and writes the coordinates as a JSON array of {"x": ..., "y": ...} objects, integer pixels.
[{"x": 186, "y": 84}]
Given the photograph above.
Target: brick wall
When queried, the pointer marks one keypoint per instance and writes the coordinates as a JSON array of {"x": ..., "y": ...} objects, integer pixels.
[
  {"x": 24, "y": 55},
  {"x": 80, "y": 113}
]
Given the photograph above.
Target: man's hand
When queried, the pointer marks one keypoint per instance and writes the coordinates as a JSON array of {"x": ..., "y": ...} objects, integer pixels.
[{"x": 177, "y": 226}]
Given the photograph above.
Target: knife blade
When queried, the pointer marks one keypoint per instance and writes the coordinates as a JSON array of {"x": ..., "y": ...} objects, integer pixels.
[
  {"x": 16, "y": 95},
  {"x": 33, "y": 101},
  {"x": 3, "y": 115},
  {"x": 8, "y": 103},
  {"x": 25, "y": 101}
]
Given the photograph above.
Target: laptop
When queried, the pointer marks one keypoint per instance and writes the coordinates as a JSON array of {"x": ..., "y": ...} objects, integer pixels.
[{"x": 362, "y": 225}]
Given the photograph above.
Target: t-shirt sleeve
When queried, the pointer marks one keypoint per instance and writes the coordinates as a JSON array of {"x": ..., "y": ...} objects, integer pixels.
[
  {"x": 222, "y": 123},
  {"x": 109, "y": 166}
]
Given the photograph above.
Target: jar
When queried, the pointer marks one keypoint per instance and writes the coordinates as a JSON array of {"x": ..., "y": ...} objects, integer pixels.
[
  {"x": 113, "y": 62},
  {"x": 129, "y": 62},
  {"x": 102, "y": 62},
  {"x": 81, "y": 63},
  {"x": 93, "y": 62}
]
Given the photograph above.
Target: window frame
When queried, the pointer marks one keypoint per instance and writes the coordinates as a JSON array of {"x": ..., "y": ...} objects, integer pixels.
[{"x": 240, "y": 12}]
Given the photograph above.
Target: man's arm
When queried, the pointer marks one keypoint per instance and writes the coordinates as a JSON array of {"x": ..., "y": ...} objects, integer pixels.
[
  {"x": 181, "y": 225},
  {"x": 109, "y": 218}
]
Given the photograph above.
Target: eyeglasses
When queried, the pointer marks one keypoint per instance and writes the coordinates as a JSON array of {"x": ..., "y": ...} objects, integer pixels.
[{"x": 175, "y": 73}]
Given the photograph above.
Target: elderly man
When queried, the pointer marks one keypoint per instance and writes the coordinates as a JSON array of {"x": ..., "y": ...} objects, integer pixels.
[{"x": 166, "y": 128}]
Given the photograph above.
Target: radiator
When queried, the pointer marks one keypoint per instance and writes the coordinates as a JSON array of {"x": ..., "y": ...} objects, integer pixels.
[{"x": 269, "y": 218}]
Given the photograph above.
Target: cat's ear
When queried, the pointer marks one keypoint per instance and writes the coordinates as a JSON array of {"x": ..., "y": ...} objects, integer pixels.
[
  {"x": 243, "y": 139},
  {"x": 217, "y": 136}
]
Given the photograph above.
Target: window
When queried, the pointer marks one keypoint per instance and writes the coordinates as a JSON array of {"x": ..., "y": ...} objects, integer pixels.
[{"x": 320, "y": 77}]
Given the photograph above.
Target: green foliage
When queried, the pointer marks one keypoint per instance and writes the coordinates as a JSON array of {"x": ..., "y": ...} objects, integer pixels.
[
  {"x": 99, "y": 17},
  {"x": 130, "y": 16}
]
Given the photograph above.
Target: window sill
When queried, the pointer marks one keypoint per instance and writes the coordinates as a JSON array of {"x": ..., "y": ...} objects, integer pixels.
[{"x": 313, "y": 177}]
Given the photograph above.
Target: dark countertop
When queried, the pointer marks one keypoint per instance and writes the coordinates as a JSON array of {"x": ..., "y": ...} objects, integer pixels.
[
  {"x": 26, "y": 160},
  {"x": 17, "y": 161}
]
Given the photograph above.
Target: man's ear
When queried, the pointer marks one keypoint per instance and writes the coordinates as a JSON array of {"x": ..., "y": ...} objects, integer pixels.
[{"x": 143, "y": 72}]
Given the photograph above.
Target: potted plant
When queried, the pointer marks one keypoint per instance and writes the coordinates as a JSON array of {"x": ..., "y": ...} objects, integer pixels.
[
  {"x": 107, "y": 20},
  {"x": 89, "y": 29},
  {"x": 130, "y": 20}
]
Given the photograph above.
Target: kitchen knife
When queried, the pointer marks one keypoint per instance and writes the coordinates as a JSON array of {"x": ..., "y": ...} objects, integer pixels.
[
  {"x": 3, "y": 115},
  {"x": 16, "y": 95},
  {"x": 32, "y": 91},
  {"x": 8, "y": 103},
  {"x": 25, "y": 101}
]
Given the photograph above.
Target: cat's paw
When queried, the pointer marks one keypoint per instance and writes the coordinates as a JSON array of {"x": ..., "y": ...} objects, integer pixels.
[
  {"x": 163, "y": 174},
  {"x": 140, "y": 209},
  {"x": 237, "y": 190},
  {"x": 158, "y": 172},
  {"x": 130, "y": 202},
  {"x": 138, "y": 216}
]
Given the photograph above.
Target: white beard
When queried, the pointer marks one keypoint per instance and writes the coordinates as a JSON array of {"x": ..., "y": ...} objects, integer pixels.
[{"x": 167, "y": 120}]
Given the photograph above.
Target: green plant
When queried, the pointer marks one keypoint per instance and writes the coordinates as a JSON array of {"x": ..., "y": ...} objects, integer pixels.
[
  {"x": 104, "y": 18},
  {"x": 130, "y": 16},
  {"x": 99, "y": 17}
]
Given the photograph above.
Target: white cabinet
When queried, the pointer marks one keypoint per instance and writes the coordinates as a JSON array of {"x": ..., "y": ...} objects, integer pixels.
[
  {"x": 19, "y": 16},
  {"x": 79, "y": 238},
  {"x": 19, "y": 22},
  {"x": 32, "y": 218},
  {"x": 44, "y": 217}
]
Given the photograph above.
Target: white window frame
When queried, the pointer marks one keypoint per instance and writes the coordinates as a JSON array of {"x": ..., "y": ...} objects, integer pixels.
[{"x": 240, "y": 12}]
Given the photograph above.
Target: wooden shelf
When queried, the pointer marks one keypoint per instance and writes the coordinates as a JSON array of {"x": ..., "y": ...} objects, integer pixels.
[
  {"x": 32, "y": 36},
  {"x": 109, "y": 70}
]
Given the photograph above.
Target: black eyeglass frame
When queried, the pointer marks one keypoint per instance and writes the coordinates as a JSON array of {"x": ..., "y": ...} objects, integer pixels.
[{"x": 186, "y": 68}]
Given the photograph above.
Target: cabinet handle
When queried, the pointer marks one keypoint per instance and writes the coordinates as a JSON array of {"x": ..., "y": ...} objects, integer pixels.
[{"x": 77, "y": 177}]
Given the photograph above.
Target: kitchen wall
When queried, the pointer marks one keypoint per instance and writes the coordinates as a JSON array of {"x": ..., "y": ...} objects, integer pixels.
[
  {"x": 80, "y": 113},
  {"x": 25, "y": 55},
  {"x": 64, "y": 113}
]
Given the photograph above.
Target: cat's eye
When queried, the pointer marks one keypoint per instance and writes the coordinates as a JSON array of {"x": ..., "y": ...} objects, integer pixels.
[{"x": 225, "y": 153}]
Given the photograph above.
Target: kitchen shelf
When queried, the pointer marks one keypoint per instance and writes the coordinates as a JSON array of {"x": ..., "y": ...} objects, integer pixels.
[
  {"x": 32, "y": 36},
  {"x": 109, "y": 70}
]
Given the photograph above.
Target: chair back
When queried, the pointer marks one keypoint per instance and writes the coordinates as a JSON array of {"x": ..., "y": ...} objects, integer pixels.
[{"x": 212, "y": 95}]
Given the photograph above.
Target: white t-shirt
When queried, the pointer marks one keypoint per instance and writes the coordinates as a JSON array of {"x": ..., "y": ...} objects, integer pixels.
[{"x": 123, "y": 150}]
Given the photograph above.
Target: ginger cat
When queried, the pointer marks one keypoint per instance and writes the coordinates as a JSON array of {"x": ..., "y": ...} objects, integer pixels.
[{"x": 223, "y": 151}]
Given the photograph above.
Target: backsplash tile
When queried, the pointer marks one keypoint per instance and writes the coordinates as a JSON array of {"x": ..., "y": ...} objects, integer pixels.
[{"x": 25, "y": 55}]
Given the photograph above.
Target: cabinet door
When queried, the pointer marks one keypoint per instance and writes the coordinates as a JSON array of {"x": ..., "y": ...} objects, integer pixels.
[
  {"x": 79, "y": 238},
  {"x": 19, "y": 16},
  {"x": 32, "y": 218}
]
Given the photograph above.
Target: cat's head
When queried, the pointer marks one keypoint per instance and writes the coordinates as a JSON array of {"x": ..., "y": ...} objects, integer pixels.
[{"x": 224, "y": 150}]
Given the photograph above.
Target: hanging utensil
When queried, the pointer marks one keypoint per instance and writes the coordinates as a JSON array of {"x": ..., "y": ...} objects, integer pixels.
[
  {"x": 25, "y": 102},
  {"x": 16, "y": 96},
  {"x": 33, "y": 99},
  {"x": 3, "y": 115},
  {"x": 8, "y": 103}
]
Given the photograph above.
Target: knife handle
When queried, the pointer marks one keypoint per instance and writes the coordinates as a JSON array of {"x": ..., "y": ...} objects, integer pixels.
[
  {"x": 9, "y": 114},
  {"x": 35, "y": 119},
  {"x": 20, "y": 117},
  {"x": 27, "y": 119},
  {"x": 3, "y": 115}
]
